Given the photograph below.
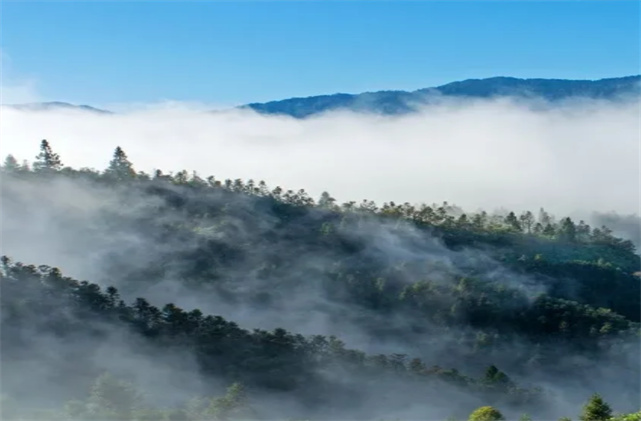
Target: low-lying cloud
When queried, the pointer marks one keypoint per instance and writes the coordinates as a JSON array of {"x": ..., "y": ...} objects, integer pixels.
[{"x": 572, "y": 158}]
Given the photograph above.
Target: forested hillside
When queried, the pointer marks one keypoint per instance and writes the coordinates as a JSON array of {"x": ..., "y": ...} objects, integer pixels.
[{"x": 289, "y": 307}]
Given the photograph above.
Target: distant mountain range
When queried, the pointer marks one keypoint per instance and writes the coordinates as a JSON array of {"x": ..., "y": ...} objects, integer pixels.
[
  {"x": 401, "y": 102},
  {"x": 50, "y": 106}
]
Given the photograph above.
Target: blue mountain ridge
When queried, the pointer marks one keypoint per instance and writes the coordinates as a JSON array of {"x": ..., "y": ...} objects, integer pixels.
[{"x": 403, "y": 102}]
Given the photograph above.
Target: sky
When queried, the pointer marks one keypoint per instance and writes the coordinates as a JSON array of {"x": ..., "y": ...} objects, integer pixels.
[{"x": 231, "y": 53}]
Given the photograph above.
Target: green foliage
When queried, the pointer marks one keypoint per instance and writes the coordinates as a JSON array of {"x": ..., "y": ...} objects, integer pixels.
[
  {"x": 635, "y": 416},
  {"x": 120, "y": 168},
  {"x": 233, "y": 405},
  {"x": 292, "y": 361},
  {"x": 493, "y": 376},
  {"x": 113, "y": 399},
  {"x": 486, "y": 413},
  {"x": 587, "y": 303},
  {"x": 596, "y": 409},
  {"x": 11, "y": 164},
  {"x": 47, "y": 160}
]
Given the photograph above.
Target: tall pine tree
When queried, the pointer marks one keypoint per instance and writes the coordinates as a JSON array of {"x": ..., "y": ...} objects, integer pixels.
[
  {"x": 47, "y": 159},
  {"x": 120, "y": 168},
  {"x": 596, "y": 409},
  {"x": 11, "y": 164}
]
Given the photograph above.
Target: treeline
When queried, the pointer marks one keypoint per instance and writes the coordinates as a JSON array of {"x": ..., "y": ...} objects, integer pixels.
[
  {"x": 38, "y": 301},
  {"x": 447, "y": 216},
  {"x": 585, "y": 265},
  {"x": 224, "y": 351}
]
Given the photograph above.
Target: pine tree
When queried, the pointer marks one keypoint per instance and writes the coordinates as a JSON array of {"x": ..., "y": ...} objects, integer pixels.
[
  {"x": 120, "y": 168},
  {"x": 538, "y": 228},
  {"x": 583, "y": 232},
  {"x": 11, "y": 164},
  {"x": 47, "y": 160},
  {"x": 512, "y": 222},
  {"x": 494, "y": 376},
  {"x": 549, "y": 230},
  {"x": 527, "y": 221},
  {"x": 596, "y": 409},
  {"x": 326, "y": 201},
  {"x": 544, "y": 217},
  {"x": 567, "y": 229}
]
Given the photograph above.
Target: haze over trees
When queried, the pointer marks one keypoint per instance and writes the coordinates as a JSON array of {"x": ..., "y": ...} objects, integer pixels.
[{"x": 229, "y": 299}]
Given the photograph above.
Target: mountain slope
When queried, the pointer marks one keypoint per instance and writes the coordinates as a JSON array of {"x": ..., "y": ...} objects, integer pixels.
[
  {"x": 342, "y": 311},
  {"x": 400, "y": 102}
]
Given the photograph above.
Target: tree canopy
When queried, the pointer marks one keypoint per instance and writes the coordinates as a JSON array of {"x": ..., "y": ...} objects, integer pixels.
[{"x": 465, "y": 305}]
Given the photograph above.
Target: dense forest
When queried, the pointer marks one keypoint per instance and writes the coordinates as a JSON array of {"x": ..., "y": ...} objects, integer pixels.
[{"x": 227, "y": 299}]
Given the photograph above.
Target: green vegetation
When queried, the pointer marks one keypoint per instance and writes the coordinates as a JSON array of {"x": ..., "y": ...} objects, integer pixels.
[
  {"x": 596, "y": 410},
  {"x": 486, "y": 413},
  {"x": 111, "y": 399},
  {"x": 501, "y": 297}
]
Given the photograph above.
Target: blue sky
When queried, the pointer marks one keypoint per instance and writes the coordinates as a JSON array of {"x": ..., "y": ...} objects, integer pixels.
[{"x": 236, "y": 52}]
